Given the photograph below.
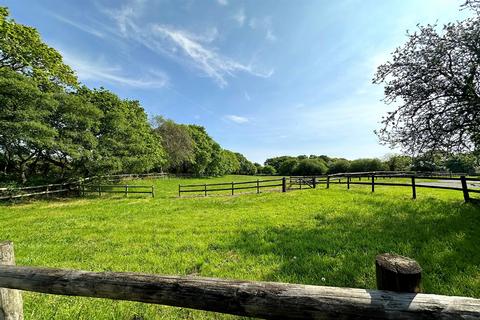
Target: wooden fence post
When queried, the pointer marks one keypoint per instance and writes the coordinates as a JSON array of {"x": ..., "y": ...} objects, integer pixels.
[
  {"x": 179, "y": 191},
  {"x": 466, "y": 196},
  {"x": 284, "y": 184},
  {"x": 414, "y": 189},
  {"x": 328, "y": 182},
  {"x": 373, "y": 183},
  {"x": 126, "y": 190},
  {"x": 233, "y": 187},
  {"x": 205, "y": 189},
  {"x": 397, "y": 273},
  {"x": 258, "y": 186},
  {"x": 314, "y": 182},
  {"x": 348, "y": 182},
  {"x": 11, "y": 304},
  {"x": 153, "y": 192}
]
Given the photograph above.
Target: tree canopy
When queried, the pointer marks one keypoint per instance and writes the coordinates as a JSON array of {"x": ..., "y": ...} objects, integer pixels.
[{"x": 433, "y": 83}]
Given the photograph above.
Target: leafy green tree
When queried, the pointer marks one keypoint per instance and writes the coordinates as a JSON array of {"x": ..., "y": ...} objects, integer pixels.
[
  {"x": 398, "y": 162},
  {"x": 76, "y": 122},
  {"x": 339, "y": 166},
  {"x": 25, "y": 130},
  {"x": 230, "y": 161},
  {"x": 277, "y": 162},
  {"x": 310, "y": 167},
  {"x": 269, "y": 170},
  {"x": 126, "y": 141},
  {"x": 246, "y": 167},
  {"x": 366, "y": 165},
  {"x": 287, "y": 167},
  {"x": 433, "y": 79},
  {"x": 177, "y": 142},
  {"x": 461, "y": 163},
  {"x": 22, "y": 50},
  {"x": 203, "y": 149}
]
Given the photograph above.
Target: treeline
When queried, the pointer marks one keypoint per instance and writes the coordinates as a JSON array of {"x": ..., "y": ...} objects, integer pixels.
[
  {"x": 53, "y": 128},
  {"x": 317, "y": 165}
]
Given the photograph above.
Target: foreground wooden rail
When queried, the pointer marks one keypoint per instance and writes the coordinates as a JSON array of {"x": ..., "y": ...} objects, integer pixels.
[
  {"x": 267, "y": 300},
  {"x": 245, "y": 298}
]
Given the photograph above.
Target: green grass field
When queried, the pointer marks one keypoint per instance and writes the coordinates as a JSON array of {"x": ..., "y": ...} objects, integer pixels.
[{"x": 316, "y": 236}]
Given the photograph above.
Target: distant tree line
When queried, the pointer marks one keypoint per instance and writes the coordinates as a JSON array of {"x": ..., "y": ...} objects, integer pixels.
[
  {"x": 53, "y": 128},
  {"x": 317, "y": 165}
]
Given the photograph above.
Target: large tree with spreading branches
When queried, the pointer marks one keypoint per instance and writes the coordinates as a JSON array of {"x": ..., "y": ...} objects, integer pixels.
[{"x": 433, "y": 83}]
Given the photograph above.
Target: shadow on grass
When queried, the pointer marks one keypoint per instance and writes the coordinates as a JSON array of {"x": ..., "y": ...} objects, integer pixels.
[{"x": 339, "y": 249}]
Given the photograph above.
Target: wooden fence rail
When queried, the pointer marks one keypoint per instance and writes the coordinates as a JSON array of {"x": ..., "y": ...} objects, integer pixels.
[
  {"x": 414, "y": 183},
  {"x": 257, "y": 185},
  {"x": 115, "y": 188},
  {"x": 267, "y": 300}
]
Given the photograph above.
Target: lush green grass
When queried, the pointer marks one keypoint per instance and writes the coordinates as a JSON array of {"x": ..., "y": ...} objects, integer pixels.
[{"x": 317, "y": 236}]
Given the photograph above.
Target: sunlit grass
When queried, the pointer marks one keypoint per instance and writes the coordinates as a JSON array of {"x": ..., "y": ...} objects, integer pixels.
[{"x": 316, "y": 236}]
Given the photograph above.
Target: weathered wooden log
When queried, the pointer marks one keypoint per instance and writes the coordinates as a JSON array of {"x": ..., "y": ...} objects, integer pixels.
[
  {"x": 255, "y": 299},
  {"x": 11, "y": 304},
  {"x": 397, "y": 273}
]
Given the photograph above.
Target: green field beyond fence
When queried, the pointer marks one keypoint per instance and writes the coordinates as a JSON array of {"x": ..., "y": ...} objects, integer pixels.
[{"x": 314, "y": 236}]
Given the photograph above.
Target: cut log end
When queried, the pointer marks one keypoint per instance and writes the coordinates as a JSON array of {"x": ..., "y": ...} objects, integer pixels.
[{"x": 397, "y": 273}]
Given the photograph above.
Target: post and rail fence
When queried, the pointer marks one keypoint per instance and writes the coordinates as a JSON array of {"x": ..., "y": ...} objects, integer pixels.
[
  {"x": 463, "y": 182},
  {"x": 398, "y": 294},
  {"x": 256, "y": 185},
  {"x": 115, "y": 188}
]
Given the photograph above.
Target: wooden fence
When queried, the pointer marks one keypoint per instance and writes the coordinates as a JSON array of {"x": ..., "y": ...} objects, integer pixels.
[
  {"x": 16, "y": 193},
  {"x": 257, "y": 185},
  {"x": 268, "y": 300},
  {"x": 348, "y": 179},
  {"x": 114, "y": 188}
]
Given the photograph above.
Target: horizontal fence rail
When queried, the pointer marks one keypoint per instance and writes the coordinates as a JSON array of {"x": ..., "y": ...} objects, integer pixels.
[
  {"x": 435, "y": 183},
  {"x": 114, "y": 188},
  {"x": 244, "y": 298},
  {"x": 257, "y": 185}
]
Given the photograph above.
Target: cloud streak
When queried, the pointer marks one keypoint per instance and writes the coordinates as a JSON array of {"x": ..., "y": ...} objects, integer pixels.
[
  {"x": 100, "y": 71},
  {"x": 184, "y": 47},
  {"x": 236, "y": 119},
  {"x": 203, "y": 58}
]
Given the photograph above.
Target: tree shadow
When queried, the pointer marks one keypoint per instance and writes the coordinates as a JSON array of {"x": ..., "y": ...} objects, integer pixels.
[{"x": 339, "y": 249}]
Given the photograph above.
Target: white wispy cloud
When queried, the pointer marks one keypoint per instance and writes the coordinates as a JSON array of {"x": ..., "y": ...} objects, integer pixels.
[
  {"x": 79, "y": 26},
  {"x": 222, "y": 2},
  {"x": 236, "y": 119},
  {"x": 193, "y": 49},
  {"x": 200, "y": 56},
  {"x": 247, "y": 96},
  {"x": 240, "y": 17},
  {"x": 99, "y": 70}
]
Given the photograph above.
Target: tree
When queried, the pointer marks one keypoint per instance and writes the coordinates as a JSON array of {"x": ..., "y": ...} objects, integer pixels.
[
  {"x": 25, "y": 130},
  {"x": 22, "y": 50},
  {"x": 246, "y": 167},
  {"x": 268, "y": 170},
  {"x": 126, "y": 141},
  {"x": 177, "y": 142},
  {"x": 287, "y": 167},
  {"x": 398, "y": 162},
  {"x": 310, "y": 167},
  {"x": 76, "y": 121},
  {"x": 366, "y": 165},
  {"x": 433, "y": 79},
  {"x": 461, "y": 163},
  {"x": 339, "y": 166}
]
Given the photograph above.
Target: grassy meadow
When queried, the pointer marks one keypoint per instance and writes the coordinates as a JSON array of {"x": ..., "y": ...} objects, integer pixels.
[{"x": 315, "y": 236}]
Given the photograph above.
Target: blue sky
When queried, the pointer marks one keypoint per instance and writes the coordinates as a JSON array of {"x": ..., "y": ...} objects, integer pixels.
[{"x": 266, "y": 78}]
